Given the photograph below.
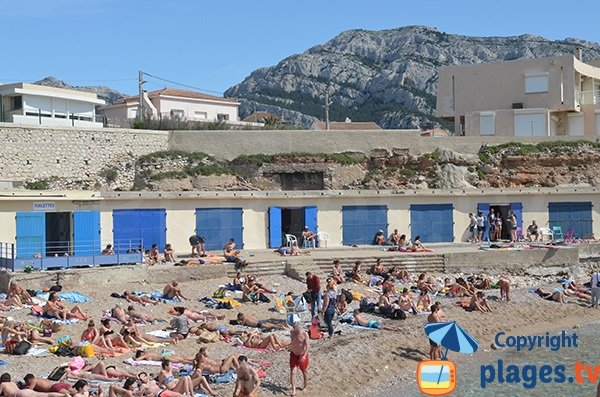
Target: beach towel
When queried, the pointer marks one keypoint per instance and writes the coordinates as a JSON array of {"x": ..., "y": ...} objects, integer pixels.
[
  {"x": 131, "y": 361},
  {"x": 229, "y": 300},
  {"x": 37, "y": 352},
  {"x": 364, "y": 328},
  {"x": 75, "y": 297},
  {"x": 159, "y": 333}
]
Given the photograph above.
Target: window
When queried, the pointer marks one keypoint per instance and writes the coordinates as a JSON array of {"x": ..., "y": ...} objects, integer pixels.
[
  {"x": 597, "y": 122},
  {"x": 17, "y": 102},
  {"x": 530, "y": 124},
  {"x": 200, "y": 115},
  {"x": 222, "y": 117},
  {"x": 177, "y": 113},
  {"x": 576, "y": 125},
  {"x": 487, "y": 124},
  {"x": 535, "y": 83}
]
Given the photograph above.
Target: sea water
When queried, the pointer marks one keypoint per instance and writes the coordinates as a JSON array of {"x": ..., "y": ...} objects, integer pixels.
[{"x": 468, "y": 371}]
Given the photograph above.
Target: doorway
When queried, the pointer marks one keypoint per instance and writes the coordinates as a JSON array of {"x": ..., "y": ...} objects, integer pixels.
[
  {"x": 58, "y": 233},
  {"x": 502, "y": 210},
  {"x": 292, "y": 221}
]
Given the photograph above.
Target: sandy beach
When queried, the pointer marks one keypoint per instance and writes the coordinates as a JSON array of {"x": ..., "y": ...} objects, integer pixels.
[{"x": 356, "y": 363}]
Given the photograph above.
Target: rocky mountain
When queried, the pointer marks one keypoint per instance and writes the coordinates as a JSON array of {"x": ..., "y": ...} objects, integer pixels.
[
  {"x": 108, "y": 94},
  {"x": 387, "y": 76}
]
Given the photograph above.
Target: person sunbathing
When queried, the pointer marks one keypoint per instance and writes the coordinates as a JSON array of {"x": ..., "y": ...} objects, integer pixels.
[
  {"x": 481, "y": 282},
  {"x": 378, "y": 268},
  {"x": 401, "y": 275},
  {"x": 107, "y": 338},
  {"x": 361, "y": 320},
  {"x": 257, "y": 340},
  {"x": 341, "y": 304},
  {"x": 422, "y": 283},
  {"x": 199, "y": 315},
  {"x": 98, "y": 371},
  {"x": 54, "y": 309},
  {"x": 440, "y": 314},
  {"x": 356, "y": 272},
  {"x": 129, "y": 389},
  {"x": 337, "y": 272},
  {"x": 172, "y": 291},
  {"x": 555, "y": 296},
  {"x": 388, "y": 285},
  {"x": 251, "y": 321},
  {"x": 467, "y": 289},
  {"x": 237, "y": 282},
  {"x": 47, "y": 386},
  {"x": 202, "y": 363},
  {"x": 90, "y": 334},
  {"x": 133, "y": 336},
  {"x": 169, "y": 254},
  {"x": 118, "y": 313},
  {"x": 149, "y": 355},
  {"x": 166, "y": 379},
  {"x": 417, "y": 246},
  {"x": 9, "y": 388},
  {"x": 406, "y": 302},
  {"x": 250, "y": 290},
  {"x": 142, "y": 300},
  {"x": 424, "y": 300},
  {"x": 223, "y": 330},
  {"x": 20, "y": 293},
  {"x": 480, "y": 303},
  {"x": 140, "y": 316},
  {"x": 384, "y": 305}
]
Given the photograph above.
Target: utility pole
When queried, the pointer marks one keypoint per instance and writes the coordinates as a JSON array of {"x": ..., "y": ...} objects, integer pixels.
[
  {"x": 327, "y": 104},
  {"x": 141, "y": 112}
]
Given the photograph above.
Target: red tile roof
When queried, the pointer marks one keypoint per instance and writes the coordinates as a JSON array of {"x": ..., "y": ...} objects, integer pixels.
[{"x": 179, "y": 93}]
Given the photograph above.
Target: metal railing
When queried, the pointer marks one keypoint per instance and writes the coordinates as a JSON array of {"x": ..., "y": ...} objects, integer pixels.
[
  {"x": 591, "y": 97},
  {"x": 38, "y": 255}
]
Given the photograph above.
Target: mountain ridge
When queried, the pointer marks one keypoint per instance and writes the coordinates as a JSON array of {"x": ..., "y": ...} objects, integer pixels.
[{"x": 387, "y": 76}]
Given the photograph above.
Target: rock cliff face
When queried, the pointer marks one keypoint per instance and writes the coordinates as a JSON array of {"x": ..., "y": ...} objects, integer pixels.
[{"x": 387, "y": 76}]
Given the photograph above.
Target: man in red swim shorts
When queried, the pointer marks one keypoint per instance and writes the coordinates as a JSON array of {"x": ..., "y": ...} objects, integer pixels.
[{"x": 298, "y": 355}]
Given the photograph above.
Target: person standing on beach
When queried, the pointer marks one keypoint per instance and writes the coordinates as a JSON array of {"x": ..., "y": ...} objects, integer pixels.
[
  {"x": 595, "y": 284},
  {"x": 313, "y": 285},
  {"x": 434, "y": 348},
  {"x": 298, "y": 355}
]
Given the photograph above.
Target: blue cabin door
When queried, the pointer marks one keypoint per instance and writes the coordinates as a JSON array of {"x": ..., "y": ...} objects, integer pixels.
[
  {"x": 31, "y": 234},
  {"x": 275, "y": 227},
  {"x": 218, "y": 225},
  {"x": 86, "y": 233}
]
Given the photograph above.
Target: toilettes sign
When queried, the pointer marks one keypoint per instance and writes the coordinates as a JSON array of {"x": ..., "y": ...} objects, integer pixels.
[{"x": 44, "y": 206}]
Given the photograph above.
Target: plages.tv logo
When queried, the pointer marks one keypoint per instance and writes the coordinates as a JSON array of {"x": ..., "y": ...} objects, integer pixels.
[{"x": 437, "y": 376}]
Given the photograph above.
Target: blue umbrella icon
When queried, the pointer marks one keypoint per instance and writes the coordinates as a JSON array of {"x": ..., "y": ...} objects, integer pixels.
[{"x": 451, "y": 336}]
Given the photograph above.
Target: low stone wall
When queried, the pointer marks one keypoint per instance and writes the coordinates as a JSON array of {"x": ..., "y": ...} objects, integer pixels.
[{"x": 74, "y": 155}]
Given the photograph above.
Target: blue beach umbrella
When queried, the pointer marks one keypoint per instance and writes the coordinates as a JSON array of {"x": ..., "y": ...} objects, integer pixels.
[{"x": 451, "y": 336}]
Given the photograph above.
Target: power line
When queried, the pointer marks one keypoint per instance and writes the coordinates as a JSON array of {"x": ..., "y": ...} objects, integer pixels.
[{"x": 182, "y": 84}]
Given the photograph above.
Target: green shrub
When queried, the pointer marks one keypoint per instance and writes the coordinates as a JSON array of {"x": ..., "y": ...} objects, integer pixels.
[
  {"x": 109, "y": 173},
  {"x": 42, "y": 184},
  {"x": 168, "y": 175}
]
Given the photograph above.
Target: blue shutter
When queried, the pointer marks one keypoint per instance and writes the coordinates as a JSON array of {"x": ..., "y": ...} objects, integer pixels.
[
  {"x": 275, "y": 227},
  {"x": 433, "y": 222},
  {"x": 517, "y": 209},
  {"x": 86, "y": 233},
  {"x": 310, "y": 218},
  {"x": 132, "y": 227},
  {"x": 218, "y": 225},
  {"x": 31, "y": 234},
  {"x": 485, "y": 208},
  {"x": 360, "y": 223},
  {"x": 576, "y": 215}
]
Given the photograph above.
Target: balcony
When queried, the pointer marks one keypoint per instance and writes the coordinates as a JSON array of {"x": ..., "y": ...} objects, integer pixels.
[{"x": 591, "y": 97}]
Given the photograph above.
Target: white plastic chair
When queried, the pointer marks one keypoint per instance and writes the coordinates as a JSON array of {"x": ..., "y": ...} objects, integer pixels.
[
  {"x": 290, "y": 240},
  {"x": 323, "y": 238},
  {"x": 545, "y": 231}
]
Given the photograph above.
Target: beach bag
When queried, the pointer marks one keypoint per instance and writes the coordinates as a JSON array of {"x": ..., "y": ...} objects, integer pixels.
[
  {"x": 57, "y": 374},
  {"x": 36, "y": 310},
  {"x": 220, "y": 293},
  {"x": 398, "y": 314},
  {"x": 86, "y": 349},
  {"x": 356, "y": 296},
  {"x": 292, "y": 318},
  {"x": 348, "y": 295},
  {"x": 209, "y": 337},
  {"x": 21, "y": 348},
  {"x": 227, "y": 377},
  {"x": 314, "y": 331},
  {"x": 263, "y": 298}
]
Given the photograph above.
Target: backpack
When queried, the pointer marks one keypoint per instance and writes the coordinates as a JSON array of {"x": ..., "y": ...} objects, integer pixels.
[
  {"x": 348, "y": 295},
  {"x": 263, "y": 298},
  {"x": 398, "y": 314},
  {"x": 220, "y": 293},
  {"x": 21, "y": 348},
  {"x": 57, "y": 374}
]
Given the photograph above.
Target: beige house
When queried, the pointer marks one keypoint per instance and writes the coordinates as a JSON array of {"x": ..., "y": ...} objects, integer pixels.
[
  {"x": 527, "y": 97},
  {"x": 32, "y": 104},
  {"x": 174, "y": 103}
]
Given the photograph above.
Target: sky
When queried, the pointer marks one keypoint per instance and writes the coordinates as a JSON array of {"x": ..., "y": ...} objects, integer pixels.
[{"x": 213, "y": 45}]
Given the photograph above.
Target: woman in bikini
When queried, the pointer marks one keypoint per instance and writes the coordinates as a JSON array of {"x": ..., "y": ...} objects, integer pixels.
[
  {"x": 54, "y": 309},
  {"x": 107, "y": 338},
  {"x": 424, "y": 300},
  {"x": 257, "y": 340},
  {"x": 142, "y": 300},
  {"x": 203, "y": 363},
  {"x": 555, "y": 296},
  {"x": 166, "y": 379},
  {"x": 356, "y": 273},
  {"x": 338, "y": 273},
  {"x": 422, "y": 283},
  {"x": 90, "y": 334},
  {"x": 479, "y": 303}
]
